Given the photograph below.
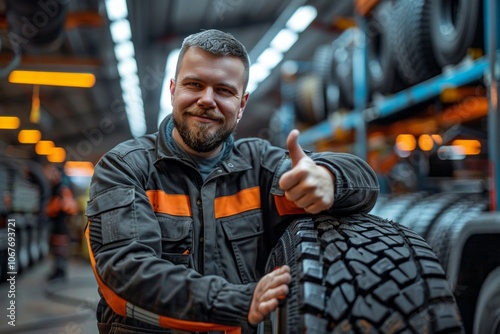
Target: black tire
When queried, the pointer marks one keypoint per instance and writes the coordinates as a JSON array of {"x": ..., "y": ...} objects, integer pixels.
[
  {"x": 456, "y": 25},
  {"x": 343, "y": 71},
  {"x": 382, "y": 68},
  {"x": 487, "y": 315},
  {"x": 424, "y": 213},
  {"x": 323, "y": 67},
  {"x": 361, "y": 274},
  {"x": 447, "y": 228},
  {"x": 410, "y": 33}
]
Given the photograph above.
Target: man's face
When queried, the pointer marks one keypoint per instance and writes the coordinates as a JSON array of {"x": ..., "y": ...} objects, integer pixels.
[{"x": 207, "y": 99}]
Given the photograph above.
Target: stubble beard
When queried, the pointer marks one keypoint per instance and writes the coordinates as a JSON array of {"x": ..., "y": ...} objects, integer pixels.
[{"x": 197, "y": 136}]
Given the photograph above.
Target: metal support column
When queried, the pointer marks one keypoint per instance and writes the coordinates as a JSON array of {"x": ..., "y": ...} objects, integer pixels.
[
  {"x": 360, "y": 77},
  {"x": 492, "y": 26}
]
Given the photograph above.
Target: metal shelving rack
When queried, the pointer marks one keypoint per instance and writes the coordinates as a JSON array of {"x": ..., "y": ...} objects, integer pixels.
[{"x": 487, "y": 67}]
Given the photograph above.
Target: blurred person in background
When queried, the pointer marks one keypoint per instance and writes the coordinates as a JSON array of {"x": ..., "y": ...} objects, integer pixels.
[{"x": 61, "y": 206}]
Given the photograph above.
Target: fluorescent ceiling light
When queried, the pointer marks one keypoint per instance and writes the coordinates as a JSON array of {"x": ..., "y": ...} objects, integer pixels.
[
  {"x": 116, "y": 9},
  {"x": 270, "y": 58},
  {"x": 259, "y": 72},
  {"x": 66, "y": 79},
  {"x": 302, "y": 18},
  {"x": 165, "y": 99},
  {"x": 135, "y": 115},
  {"x": 284, "y": 40},
  {"x": 120, "y": 31},
  {"x": 124, "y": 50},
  {"x": 129, "y": 79},
  {"x": 127, "y": 66},
  {"x": 29, "y": 136}
]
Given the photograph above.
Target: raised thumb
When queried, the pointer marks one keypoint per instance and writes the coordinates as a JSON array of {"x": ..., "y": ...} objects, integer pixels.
[{"x": 296, "y": 152}]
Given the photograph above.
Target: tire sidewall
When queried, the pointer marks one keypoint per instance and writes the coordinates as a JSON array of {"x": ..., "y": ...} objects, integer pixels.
[{"x": 487, "y": 314}]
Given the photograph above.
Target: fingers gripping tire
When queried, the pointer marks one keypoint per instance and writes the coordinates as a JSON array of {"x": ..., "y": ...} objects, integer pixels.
[{"x": 361, "y": 274}]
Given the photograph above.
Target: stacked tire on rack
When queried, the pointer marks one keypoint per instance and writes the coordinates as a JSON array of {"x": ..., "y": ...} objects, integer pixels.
[
  {"x": 408, "y": 42},
  {"x": 361, "y": 274},
  {"x": 411, "y": 41},
  {"x": 24, "y": 192}
]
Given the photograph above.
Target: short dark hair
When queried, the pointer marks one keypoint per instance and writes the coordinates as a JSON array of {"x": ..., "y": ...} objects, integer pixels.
[{"x": 218, "y": 43}]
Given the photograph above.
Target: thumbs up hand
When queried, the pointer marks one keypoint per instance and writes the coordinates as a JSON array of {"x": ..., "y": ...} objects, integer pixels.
[{"x": 308, "y": 185}]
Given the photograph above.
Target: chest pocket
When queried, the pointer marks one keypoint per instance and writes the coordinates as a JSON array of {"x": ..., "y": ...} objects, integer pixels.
[
  {"x": 245, "y": 236},
  {"x": 176, "y": 238}
]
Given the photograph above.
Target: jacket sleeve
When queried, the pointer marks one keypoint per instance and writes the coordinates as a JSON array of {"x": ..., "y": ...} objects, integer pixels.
[
  {"x": 356, "y": 184},
  {"x": 124, "y": 240}
]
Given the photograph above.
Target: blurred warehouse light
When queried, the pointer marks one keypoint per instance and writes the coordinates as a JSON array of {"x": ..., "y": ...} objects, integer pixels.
[
  {"x": 9, "y": 122},
  {"x": 425, "y": 142},
  {"x": 468, "y": 146},
  {"x": 121, "y": 34},
  {"x": 57, "y": 155},
  {"x": 44, "y": 147},
  {"x": 79, "y": 168},
  {"x": 120, "y": 30},
  {"x": 302, "y": 18},
  {"x": 29, "y": 136},
  {"x": 284, "y": 40},
  {"x": 66, "y": 79},
  {"x": 280, "y": 44}
]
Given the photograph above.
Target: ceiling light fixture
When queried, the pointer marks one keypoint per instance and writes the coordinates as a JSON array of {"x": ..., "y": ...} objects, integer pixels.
[
  {"x": 65, "y": 79},
  {"x": 9, "y": 122},
  {"x": 121, "y": 34},
  {"x": 280, "y": 44}
]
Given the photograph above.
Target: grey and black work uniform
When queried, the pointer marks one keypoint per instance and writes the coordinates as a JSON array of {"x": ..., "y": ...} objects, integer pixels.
[{"x": 173, "y": 249}]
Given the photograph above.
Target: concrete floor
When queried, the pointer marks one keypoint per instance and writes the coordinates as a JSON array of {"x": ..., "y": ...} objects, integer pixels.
[{"x": 57, "y": 308}]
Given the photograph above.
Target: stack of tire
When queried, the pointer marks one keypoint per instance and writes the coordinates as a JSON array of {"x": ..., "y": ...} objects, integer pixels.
[{"x": 411, "y": 41}]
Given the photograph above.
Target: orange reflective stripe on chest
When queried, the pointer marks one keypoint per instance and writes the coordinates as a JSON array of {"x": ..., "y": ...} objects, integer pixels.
[
  {"x": 176, "y": 205},
  {"x": 245, "y": 200}
]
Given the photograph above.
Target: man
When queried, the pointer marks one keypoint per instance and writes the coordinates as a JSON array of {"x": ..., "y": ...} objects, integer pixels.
[{"x": 181, "y": 222}]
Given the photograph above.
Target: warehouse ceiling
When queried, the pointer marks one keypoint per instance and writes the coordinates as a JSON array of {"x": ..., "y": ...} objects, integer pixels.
[{"x": 89, "y": 121}]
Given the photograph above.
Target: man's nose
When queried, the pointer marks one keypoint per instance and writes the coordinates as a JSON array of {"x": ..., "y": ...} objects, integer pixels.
[{"x": 207, "y": 99}]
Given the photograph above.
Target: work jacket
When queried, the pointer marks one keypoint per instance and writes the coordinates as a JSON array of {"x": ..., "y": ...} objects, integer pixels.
[{"x": 171, "y": 250}]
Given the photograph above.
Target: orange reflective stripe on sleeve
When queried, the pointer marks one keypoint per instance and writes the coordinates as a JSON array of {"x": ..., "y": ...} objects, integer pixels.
[
  {"x": 286, "y": 207},
  {"x": 245, "y": 200},
  {"x": 176, "y": 205},
  {"x": 117, "y": 304}
]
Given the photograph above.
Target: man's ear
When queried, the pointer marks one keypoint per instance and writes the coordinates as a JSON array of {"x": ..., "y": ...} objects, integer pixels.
[
  {"x": 172, "y": 90},
  {"x": 243, "y": 104}
]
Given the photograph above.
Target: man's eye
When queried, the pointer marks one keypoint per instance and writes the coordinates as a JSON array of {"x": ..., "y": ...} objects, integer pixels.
[{"x": 225, "y": 91}]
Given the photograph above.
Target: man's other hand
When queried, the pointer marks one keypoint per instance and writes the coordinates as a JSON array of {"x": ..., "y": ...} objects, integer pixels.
[{"x": 269, "y": 290}]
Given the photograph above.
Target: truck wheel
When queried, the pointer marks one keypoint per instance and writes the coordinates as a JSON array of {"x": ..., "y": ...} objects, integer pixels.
[
  {"x": 456, "y": 25},
  {"x": 361, "y": 274},
  {"x": 487, "y": 317}
]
